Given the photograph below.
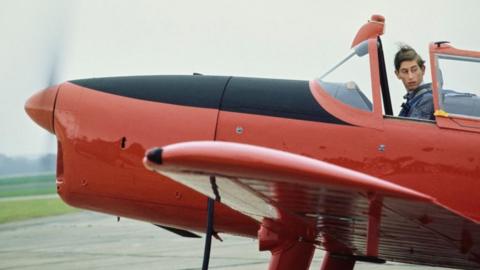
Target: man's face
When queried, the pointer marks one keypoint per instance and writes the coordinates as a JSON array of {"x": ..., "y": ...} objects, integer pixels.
[{"x": 411, "y": 74}]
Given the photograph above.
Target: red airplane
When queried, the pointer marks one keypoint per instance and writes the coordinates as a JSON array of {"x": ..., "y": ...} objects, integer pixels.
[{"x": 300, "y": 165}]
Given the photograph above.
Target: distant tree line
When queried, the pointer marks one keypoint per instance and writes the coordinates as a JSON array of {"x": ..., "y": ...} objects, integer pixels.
[{"x": 24, "y": 165}]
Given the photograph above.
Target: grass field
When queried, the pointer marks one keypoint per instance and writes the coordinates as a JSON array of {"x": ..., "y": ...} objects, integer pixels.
[
  {"x": 27, "y": 209},
  {"x": 27, "y": 185},
  {"x": 18, "y": 206}
]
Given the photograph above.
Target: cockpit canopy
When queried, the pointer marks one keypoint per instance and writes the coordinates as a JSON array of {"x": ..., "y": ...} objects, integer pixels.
[
  {"x": 349, "y": 80},
  {"x": 458, "y": 81}
]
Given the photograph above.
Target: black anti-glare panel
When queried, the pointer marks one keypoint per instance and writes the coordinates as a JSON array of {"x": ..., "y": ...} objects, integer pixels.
[
  {"x": 188, "y": 90},
  {"x": 274, "y": 97}
]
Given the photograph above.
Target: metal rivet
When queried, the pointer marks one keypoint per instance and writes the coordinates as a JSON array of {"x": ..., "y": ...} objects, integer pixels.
[
  {"x": 381, "y": 147},
  {"x": 239, "y": 130}
]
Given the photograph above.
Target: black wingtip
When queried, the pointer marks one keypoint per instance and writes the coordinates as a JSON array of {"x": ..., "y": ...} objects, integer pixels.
[{"x": 155, "y": 155}]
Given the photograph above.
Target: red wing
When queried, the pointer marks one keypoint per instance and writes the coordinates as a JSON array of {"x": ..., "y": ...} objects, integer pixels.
[{"x": 262, "y": 182}]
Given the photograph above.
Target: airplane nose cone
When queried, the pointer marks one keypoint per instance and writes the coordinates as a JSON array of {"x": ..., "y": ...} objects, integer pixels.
[{"x": 40, "y": 107}]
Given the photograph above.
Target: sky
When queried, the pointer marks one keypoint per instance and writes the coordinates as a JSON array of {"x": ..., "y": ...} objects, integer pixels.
[{"x": 58, "y": 40}]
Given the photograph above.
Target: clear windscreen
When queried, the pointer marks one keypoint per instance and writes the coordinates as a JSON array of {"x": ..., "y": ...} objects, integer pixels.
[
  {"x": 349, "y": 80},
  {"x": 459, "y": 83}
]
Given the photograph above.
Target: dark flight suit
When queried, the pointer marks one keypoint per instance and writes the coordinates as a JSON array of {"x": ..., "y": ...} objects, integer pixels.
[{"x": 419, "y": 103}]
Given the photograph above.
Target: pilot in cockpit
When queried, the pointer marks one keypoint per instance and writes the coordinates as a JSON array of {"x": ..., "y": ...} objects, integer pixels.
[{"x": 410, "y": 68}]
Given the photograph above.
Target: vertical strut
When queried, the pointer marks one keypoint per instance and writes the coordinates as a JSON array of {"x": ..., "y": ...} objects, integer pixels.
[
  {"x": 208, "y": 237},
  {"x": 210, "y": 216},
  {"x": 289, "y": 249},
  {"x": 294, "y": 255}
]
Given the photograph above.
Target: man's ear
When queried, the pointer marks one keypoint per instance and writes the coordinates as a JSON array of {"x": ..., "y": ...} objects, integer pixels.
[
  {"x": 423, "y": 69},
  {"x": 396, "y": 73}
]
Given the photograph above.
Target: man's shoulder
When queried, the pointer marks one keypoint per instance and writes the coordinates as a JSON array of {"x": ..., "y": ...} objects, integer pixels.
[
  {"x": 423, "y": 108},
  {"x": 426, "y": 99},
  {"x": 427, "y": 95},
  {"x": 425, "y": 92},
  {"x": 426, "y": 87}
]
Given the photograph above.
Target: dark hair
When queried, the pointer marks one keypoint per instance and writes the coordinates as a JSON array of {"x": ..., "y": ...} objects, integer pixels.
[{"x": 407, "y": 53}]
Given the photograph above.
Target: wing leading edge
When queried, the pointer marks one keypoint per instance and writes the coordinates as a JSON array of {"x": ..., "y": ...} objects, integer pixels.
[{"x": 351, "y": 213}]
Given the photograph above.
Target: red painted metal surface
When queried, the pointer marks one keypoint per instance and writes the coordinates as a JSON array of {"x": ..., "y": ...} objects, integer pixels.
[
  {"x": 102, "y": 151},
  {"x": 371, "y": 30},
  {"x": 287, "y": 247},
  {"x": 363, "y": 219},
  {"x": 40, "y": 107},
  {"x": 246, "y": 161},
  {"x": 447, "y": 48},
  {"x": 417, "y": 155}
]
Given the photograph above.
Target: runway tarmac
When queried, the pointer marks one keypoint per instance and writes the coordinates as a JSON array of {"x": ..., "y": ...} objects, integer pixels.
[{"x": 88, "y": 240}]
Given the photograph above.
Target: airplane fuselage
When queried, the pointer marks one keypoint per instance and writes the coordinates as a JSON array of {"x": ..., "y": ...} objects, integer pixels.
[{"x": 105, "y": 125}]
